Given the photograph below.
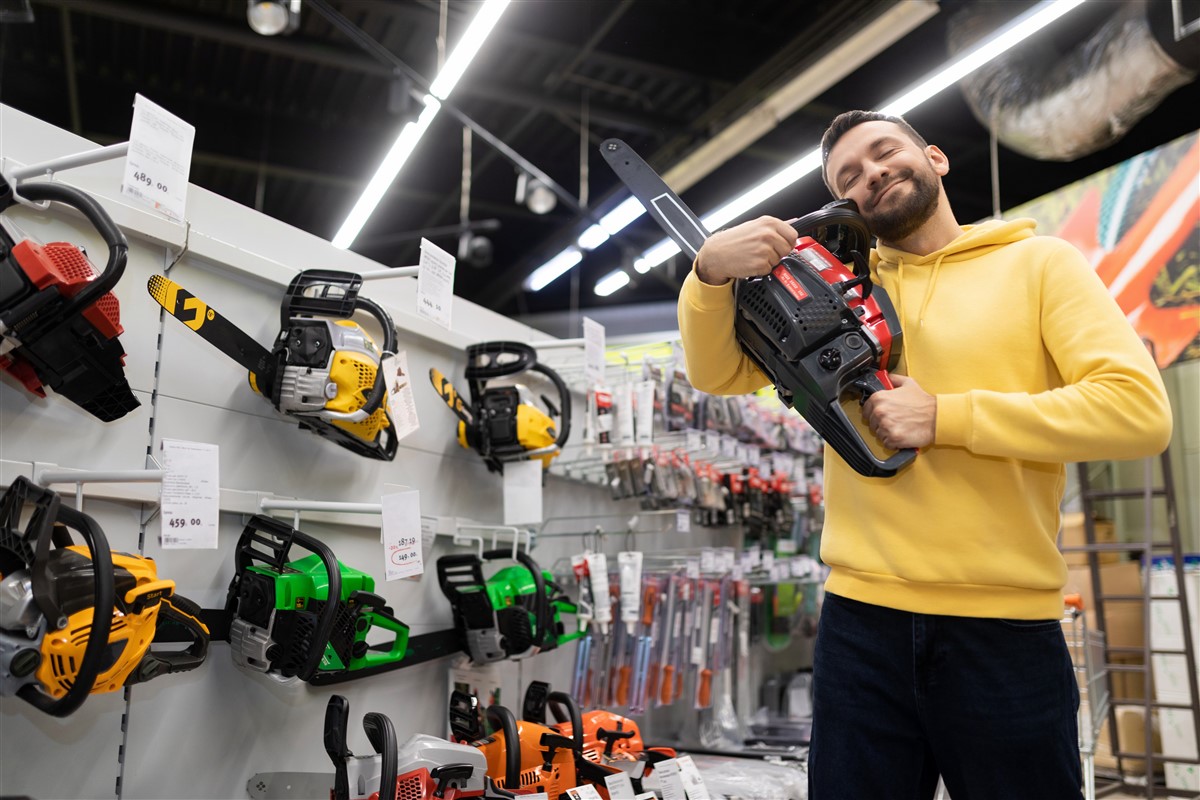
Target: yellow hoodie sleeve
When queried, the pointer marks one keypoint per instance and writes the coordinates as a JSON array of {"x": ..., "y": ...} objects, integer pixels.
[
  {"x": 1112, "y": 404},
  {"x": 715, "y": 363}
]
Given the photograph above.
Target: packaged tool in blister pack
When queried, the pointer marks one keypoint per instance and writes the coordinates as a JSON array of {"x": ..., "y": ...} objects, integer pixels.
[
  {"x": 822, "y": 333},
  {"x": 59, "y": 319},
  {"x": 79, "y": 620},
  {"x": 503, "y": 423},
  {"x": 514, "y": 613},
  {"x": 308, "y": 618},
  {"x": 324, "y": 370}
]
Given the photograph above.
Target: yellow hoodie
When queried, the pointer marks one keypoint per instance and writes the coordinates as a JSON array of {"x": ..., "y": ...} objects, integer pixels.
[{"x": 1033, "y": 366}]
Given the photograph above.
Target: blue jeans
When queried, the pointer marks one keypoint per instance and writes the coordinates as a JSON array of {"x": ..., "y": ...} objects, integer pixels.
[{"x": 899, "y": 698}]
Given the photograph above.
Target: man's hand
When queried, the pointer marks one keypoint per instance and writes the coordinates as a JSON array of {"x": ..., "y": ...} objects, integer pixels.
[
  {"x": 752, "y": 248},
  {"x": 902, "y": 417}
]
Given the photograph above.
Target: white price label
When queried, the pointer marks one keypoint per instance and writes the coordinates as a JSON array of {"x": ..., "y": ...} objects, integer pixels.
[
  {"x": 670, "y": 780},
  {"x": 435, "y": 283},
  {"x": 402, "y": 406},
  {"x": 729, "y": 446},
  {"x": 768, "y": 560},
  {"x": 695, "y": 440},
  {"x": 708, "y": 560},
  {"x": 402, "y": 535},
  {"x": 619, "y": 786},
  {"x": 683, "y": 520},
  {"x": 693, "y": 567},
  {"x": 587, "y": 792},
  {"x": 593, "y": 352},
  {"x": 753, "y": 455},
  {"x": 693, "y": 784},
  {"x": 190, "y": 499},
  {"x": 785, "y": 546},
  {"x": 523, "y": 492},
  {"x": 798, "y": 567},
  {"x": 159, "y": 159}
]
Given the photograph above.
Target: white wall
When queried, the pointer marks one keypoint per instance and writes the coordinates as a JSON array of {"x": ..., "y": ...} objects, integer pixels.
[{"x": 203, "y": 734}]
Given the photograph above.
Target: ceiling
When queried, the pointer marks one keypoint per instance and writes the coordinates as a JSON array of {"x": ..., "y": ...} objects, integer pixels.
[{"x": 294, "y": 126}]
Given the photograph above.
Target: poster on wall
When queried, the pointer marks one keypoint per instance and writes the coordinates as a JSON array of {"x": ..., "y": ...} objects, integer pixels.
[{"x": 1138, "y": 223}]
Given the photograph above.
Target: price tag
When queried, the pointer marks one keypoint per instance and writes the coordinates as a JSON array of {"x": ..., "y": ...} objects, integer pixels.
[
  {"x": 159, "y": 159},
  {"x": 593, "y": 352},
  {"x": 523, "y": 492},
  {"x": 693, "y": 784},
  {"x": 785, "y": 546},
  {"x": 708, "y": 560},
  {"x": 646, "y": 796},
  {"x": 753, "y": 455},
  {"x": 728, "y": 446},
  {"x": 755, "y": 553},
  {"x": 402, "y": 406},
  {"x": 768, "y": 560},
  {"x": 619, "y": 786},
  {"x": 798, "y": 567},
  {"x": 693, "y": 568},
  {"x": 585, "y": 793},
  {"x": 669, "y": 779},
  {"x": 402, "y": 535},
  {"x": 727, "y": 557},
  {"x": 435, "y": 283},
  {"x": 683, "y": 520},
  {"x": 190, "y": 499},
  {"x": 695, "y": 440},
  {"x": 536, "y": 796}
]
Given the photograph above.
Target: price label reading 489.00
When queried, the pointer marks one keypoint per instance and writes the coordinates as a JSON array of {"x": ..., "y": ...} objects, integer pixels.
[{"x": 159, "y": 159}]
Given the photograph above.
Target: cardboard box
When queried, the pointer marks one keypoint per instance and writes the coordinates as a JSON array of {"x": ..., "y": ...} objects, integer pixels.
[
  {"x": 1074, "y": 535},
  {"x": 1131, "y": 733},
  {"x": 1123, "y": 622}
]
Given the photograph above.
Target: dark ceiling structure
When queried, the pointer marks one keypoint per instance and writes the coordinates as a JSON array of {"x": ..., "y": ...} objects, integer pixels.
[{"x": 294, "y": 126}]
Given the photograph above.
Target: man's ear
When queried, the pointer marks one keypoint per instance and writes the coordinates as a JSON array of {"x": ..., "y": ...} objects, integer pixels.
[{"x": 941, "y": 164}]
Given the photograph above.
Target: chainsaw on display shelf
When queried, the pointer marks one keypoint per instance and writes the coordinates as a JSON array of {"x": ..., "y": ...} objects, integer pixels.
[
  {"x": 513, "y": 614},
  {"x": 59, "y": 320},
  {"x": 502, "y": 423},
  {"x": 79, "y": 620},
  {"x": 324, "y": 370},
  {"x": 821, "y": 332},
  {"x": 422, "y": 768},
  {"x": 307, "y": 618}
]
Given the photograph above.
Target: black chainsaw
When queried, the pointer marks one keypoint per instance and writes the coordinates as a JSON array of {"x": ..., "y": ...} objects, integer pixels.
[
  {"x": 324, "y": 370},
  {"x": 822, "y": 333},
  {"x": 59, "y": 320}
]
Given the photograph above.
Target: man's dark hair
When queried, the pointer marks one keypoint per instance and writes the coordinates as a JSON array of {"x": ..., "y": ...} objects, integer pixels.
[{"x": 847, "y": 120}]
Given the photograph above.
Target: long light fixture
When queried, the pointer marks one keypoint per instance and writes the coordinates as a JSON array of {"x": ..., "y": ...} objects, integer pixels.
[
  {"x": 406, "y": 141},
  {"x": 1017, "y": 31}
]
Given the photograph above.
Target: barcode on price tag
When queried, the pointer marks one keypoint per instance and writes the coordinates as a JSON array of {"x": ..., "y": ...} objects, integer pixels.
[
  {"x": 402, "y": 535},
  {"x": 159, "y": 159},
  {"x": 435, "y": 283}
]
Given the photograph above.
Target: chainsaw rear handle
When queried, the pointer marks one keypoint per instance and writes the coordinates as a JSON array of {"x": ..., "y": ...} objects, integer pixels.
[
  {"x": 541, "y": 603},
  {"x": 867, "y": 385},
  {"x": 337, "y": 720},
  {"x": 382, "y": 735},
  {"x": 181, "y": 612},
  {"x": 279, "y": 537},
  {"x": 503, "y": 719},
  {"x": 118, "y": 246},
  {"x": 565, "y": 709},
  {"x": 41, "y": 528},
  {"x": 564, "y": 403}
]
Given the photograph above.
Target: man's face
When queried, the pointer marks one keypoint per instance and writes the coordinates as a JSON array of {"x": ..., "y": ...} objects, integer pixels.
[{"x": 888, "y": 175}]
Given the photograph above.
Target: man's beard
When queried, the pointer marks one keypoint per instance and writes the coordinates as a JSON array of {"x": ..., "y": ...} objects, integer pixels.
[{"x": 907, "y": 214}]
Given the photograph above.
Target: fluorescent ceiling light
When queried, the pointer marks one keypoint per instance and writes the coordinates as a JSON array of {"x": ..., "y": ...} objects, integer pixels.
[
  {"x": 464, "y": 52},
  {"x": 1017, "y": 31},
  {"x": 592, "y": 238},
  {"x": 611, "y": 282},
  {"x": 544, "y": 275}
]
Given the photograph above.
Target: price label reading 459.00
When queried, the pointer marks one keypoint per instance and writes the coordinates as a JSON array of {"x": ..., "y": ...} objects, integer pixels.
[{"x": 182, "y": 522}]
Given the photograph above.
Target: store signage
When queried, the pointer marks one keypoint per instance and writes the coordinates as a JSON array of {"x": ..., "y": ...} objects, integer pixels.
[
  {"x": 402, "y": 535},
  {"x": 159, "y": 159},
  {"x": 190, "y": 500},
  {"x": 435, "y": 283},
  {"x": 593, "y": 352}
]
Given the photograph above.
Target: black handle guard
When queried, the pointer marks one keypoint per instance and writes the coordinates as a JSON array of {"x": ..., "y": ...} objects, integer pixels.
[
  {"x": 337, "y": 720},
  {"x": 389, "y": 349},
  {"x": 382, "y": 735},
  {"x": 503, "y": 719},
  {"x": 563, "y": 705},
  {"x": 279, "y": 537},
  {"x": 33, "y": 547},
  {"x": 839, "y": 228},
  {"x": 118, "y": 245}
]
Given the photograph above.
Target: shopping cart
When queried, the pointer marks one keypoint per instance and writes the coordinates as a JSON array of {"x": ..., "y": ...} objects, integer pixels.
[{"x": 1087, "y": 654}]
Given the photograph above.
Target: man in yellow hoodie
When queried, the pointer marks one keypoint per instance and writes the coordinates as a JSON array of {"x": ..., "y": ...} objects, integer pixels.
[{"x": 939, "y": 649}]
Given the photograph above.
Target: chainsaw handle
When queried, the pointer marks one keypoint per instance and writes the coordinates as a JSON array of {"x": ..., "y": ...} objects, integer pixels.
[
  {"x": 382, "y": 735},
  {"x": 868, "y": 385},
  {"x": 563, "y": 705},
  {"x": 541, "y": 604},
  {"x": 179, "y": 611},
  {"x": 375, "y": 399},
  {"x": 103, "y": 600},
  {"x": 503, "y": 719},
  {"x": 118, "y": 245},
  {"x": 853, "y": 233},
  {"x": 564, "y": 404},
  {"x": 337, "y": 720}
]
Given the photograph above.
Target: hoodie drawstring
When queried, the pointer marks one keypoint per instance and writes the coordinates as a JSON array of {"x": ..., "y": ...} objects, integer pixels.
[{"x": 937, "y": 265}]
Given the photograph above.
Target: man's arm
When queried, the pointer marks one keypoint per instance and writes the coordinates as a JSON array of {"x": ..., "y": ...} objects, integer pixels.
[
  {"x": 714, "y": 361},
  {"x": 1113, "y": 404}
]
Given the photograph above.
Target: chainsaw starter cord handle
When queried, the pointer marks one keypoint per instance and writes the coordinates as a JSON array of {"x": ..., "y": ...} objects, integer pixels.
[
  {"x": 118, "y": 246},
  {"x": 382, "y": 735},
  {"x": 503, "y": 719},
  {"x": 103, "y": 600}
]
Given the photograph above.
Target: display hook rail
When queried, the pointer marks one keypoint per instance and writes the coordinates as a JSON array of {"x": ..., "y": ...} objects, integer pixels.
[{"x": 47, "y": 477}]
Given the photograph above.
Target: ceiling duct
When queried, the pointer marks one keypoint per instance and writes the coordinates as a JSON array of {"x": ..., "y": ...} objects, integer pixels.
[{"x": 1059, "y": 106}]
